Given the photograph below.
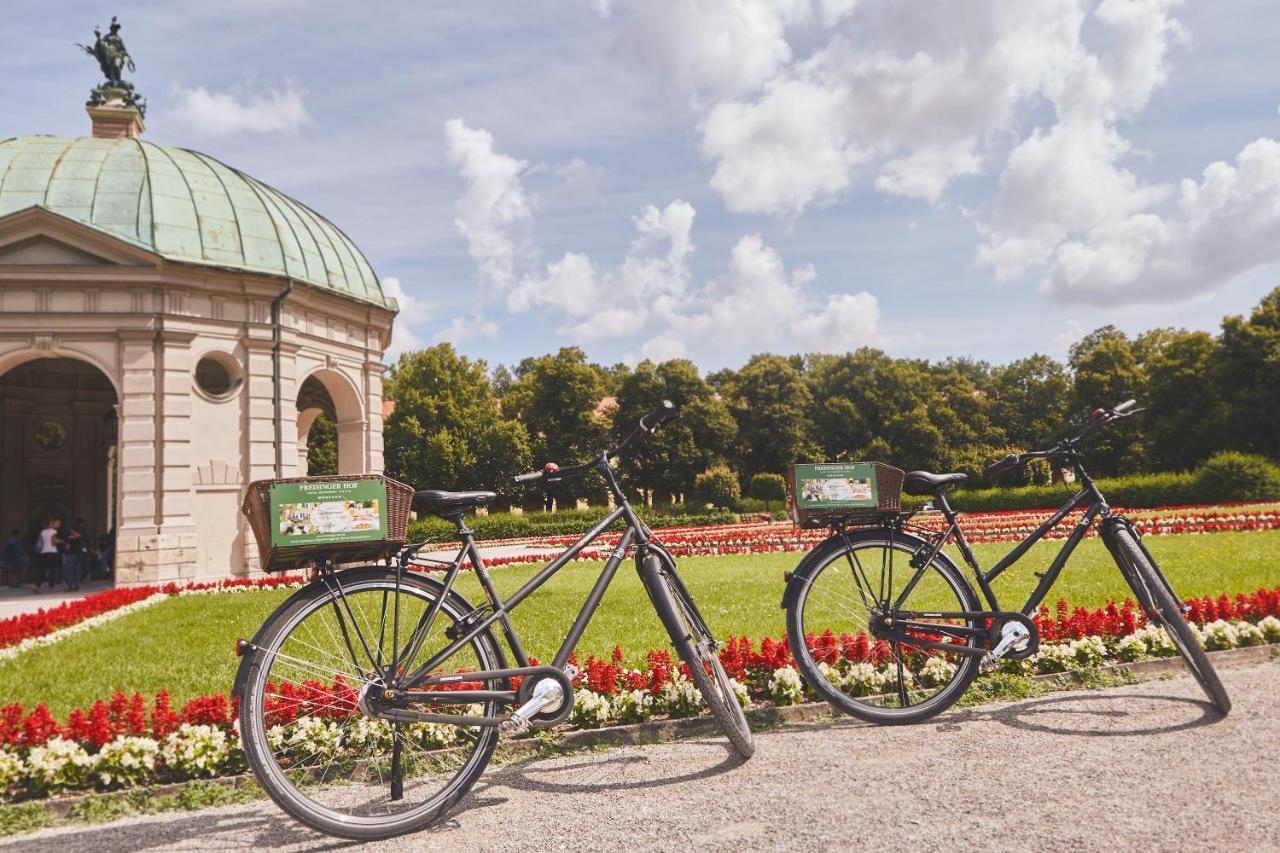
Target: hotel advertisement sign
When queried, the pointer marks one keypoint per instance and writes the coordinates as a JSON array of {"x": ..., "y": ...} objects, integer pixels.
[{"x": 328, "y": 512}]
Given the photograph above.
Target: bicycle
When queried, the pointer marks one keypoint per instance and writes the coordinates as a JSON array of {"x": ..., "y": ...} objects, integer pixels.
[
  {"x": 927, "y": 622},
  {"x": 372, "y": 699}
]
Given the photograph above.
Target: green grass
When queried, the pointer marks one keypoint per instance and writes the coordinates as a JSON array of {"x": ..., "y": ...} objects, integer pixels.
[{"x": 184, "y": 644}]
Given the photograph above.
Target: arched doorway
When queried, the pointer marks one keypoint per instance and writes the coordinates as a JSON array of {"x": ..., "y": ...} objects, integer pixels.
[
  {"x": 58, "y": 445},
  {"x": 331, "y": 425}
]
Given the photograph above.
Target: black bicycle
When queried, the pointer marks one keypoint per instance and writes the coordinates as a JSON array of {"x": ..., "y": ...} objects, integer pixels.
[
  {"x": 889, "y": 590},
  {"x": 372, "y": 699}
]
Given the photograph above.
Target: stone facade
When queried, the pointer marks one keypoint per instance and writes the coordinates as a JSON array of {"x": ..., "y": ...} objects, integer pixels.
[{"x": 184, "y": 390}]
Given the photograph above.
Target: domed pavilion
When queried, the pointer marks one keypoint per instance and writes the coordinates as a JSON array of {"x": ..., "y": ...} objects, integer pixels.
[{"x": 170, "y": 328}]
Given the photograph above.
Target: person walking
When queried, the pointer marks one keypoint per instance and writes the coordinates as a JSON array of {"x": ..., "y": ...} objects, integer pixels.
[
  {"x": 73, "y": 557},
  {"x": 48, "y": 555},
  {"x": 14, "y": 558}
]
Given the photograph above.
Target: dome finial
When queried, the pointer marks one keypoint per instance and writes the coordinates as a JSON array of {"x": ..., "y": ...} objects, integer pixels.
[{"x": 115, "y": 107}]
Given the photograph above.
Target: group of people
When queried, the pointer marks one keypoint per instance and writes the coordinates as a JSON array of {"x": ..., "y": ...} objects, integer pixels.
[{"x": 57, "y": 554}]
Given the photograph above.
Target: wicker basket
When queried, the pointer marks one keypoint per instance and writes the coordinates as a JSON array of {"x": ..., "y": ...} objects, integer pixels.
[
  {"x": 884, "y": 483},
  {"x": 257, "y": 508}
]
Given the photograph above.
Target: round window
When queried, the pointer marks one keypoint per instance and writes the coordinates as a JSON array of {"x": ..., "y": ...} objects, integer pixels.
[{"x": 217, "y": 376}]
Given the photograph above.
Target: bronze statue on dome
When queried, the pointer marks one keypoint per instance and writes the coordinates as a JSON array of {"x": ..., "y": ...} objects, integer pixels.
[{"x": 113, "y": 58}]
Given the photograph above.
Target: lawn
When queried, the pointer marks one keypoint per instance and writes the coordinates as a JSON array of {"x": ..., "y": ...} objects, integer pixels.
[{"x": 184, "y": 644}]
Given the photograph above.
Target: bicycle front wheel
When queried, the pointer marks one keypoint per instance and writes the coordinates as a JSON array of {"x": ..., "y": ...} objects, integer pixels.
[
  {"x": 314, "y": 741},
  {"x": 697, "y": 648},
  {"x": 1168, "y": 610},
  {"x": 845, "y": 589}
]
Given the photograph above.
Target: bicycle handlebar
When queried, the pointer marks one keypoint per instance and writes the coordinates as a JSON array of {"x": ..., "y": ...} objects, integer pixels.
[
  {"x": 649, "y": 423},
  {"x": 1100, "y": 417}
]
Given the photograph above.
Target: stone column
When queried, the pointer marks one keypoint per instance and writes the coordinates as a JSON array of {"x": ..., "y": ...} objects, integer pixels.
[
  {"x": 373, "y": 372},
  {"x": 138, "y": 500}
]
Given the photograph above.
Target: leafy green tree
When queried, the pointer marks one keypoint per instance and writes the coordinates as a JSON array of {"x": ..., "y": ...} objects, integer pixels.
[
  {"x": 1107, "y": 372},
  {"x": 769, "y": 399},
  {"x": 1247, "y": 376},
  {"x": 717, "y": 486},
  {"x": 1031, "y": 400},
  {"x": 322, "y": 447},
  {"x": 447, "y": 431},
  {"x": 768, "y": 488},
  {"x": 556, "y": 398},
  {"x": 702, "y": 436},
  {"x": 1184, "y": 425}
]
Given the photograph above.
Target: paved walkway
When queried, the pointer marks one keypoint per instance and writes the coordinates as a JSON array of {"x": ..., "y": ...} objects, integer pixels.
[
  {"x": 16, "y": 600},
  {"x": 1142, "y": 767}
]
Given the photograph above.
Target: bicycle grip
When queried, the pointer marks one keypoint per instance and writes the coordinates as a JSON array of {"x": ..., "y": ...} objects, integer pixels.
[
  {"x": 663, "y": 412},
  {"x": 1125, "y": 407},
  {"x": 1008, "y": 463}
]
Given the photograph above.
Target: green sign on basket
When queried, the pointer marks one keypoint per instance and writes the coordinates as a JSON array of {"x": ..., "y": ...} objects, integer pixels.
[
  {"x": 836, "y": 485},
  {"x": 328, "y": 512}
]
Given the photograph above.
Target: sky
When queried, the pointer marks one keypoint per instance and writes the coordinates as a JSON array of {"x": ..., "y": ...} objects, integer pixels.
[{"x": 716, "y": 178}]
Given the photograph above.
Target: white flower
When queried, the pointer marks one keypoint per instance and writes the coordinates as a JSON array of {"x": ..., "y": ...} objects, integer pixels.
[
  {"x": 11, "y": 770},
  {"x": 786, "y": 686},
  {"x": 1089, "y": 651},
  {"x": 740, "y": 692},
  {"x": 863, "y": 679},
  {"x": 633, "y": 706},
  {"x": 1219, "y": 635},
  {"x": 196, "y": 750},
  {"x": 60, "y": 763},
  {"x": 680, "y": 697},
  {"x": 1270, "y": 628},
  {"x": 590, "y": 709},
  {"x": 127, "y": 760},
  {"x": 1248, "y": 634},
  {"x": 936, "y": 672},
  {"x": 1132, "y": 647}
]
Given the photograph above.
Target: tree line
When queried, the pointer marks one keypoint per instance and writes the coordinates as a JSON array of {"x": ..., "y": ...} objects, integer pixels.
[{"x": 459, "y": 425}]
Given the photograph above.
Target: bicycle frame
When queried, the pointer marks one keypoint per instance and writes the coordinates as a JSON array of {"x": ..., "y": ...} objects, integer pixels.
[
  {"x": 635, "y": 533},
  {"x": 1088, "y": 497}
]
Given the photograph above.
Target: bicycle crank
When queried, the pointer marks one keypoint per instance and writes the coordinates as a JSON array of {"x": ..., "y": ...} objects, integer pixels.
[{"x": 544, "y": 701}]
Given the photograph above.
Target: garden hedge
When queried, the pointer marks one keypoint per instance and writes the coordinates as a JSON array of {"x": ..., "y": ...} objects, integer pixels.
[{"x": 505, "y": 525}]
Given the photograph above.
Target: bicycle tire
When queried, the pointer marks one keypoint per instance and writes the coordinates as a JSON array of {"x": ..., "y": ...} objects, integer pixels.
[
  {"x": 1168, "y": 610},
  {"x": 251, "y": 692},
  {"x": 811, "y": 568},
  {"x": 696, "y": 647}
]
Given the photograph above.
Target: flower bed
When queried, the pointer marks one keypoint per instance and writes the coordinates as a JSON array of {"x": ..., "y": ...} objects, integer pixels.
[
  {"x": 128, "y": 739},
  {"x": 17, "y": 633},
  {"x": 1012, "y": 526}
]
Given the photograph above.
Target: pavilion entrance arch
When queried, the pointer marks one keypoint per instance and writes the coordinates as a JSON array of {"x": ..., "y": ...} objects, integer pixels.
[
  {"x": 59, "y": 442},
  {"x": 330, "y": 394}
]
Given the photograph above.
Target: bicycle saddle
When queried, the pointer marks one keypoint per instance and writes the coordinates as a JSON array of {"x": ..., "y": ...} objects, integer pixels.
[
  {"x": 445, "y": 504},
  {"x": 925, "y": 483}
]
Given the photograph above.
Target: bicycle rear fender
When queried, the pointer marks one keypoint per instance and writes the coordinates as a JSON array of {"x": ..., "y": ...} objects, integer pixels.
[{"x": 820, "y": 552}]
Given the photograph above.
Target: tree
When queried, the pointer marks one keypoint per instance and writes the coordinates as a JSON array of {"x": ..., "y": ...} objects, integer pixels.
[
  {"x": 716, "y": 486},
  {"x": 769, "y": 399},
  {"x": 1108, "y": 372},
  {"x": 768, "y": 488},
  {"x": 1031, "y": 400},
  {"x": 1247, "y": 375},
  {"x": 1185, "y": 423},
  {"x": 556, "y": 397},
  {"x": 701, "y": 437},
  {"x": 447, "y": 431},
  {"x": 322, "y": 447}
]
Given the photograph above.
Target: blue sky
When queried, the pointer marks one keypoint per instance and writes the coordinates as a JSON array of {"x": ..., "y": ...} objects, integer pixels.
[{"x": 714, "y": 178}]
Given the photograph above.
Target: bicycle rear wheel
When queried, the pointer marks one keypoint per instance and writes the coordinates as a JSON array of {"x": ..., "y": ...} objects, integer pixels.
[
  {"x": 843, "y": 590},
  {"x": 313, "y": 740},
  {"x": 697, "y": 648},
  {"x": 1151, "y": 586}
]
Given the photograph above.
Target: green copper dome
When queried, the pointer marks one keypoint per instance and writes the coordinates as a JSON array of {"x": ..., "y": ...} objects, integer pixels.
[{"x": 184, "y": 206}]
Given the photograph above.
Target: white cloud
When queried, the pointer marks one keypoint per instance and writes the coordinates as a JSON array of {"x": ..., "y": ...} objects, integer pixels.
[
  {"x": 467, "y": 328},
  {"x": 493, "y": 202},
  {"x": 757, "y": 302},
  {"x": 414, "y": 312},
  {"x": 226, "y": 113},
  {"x": 1071, "y": 334},
  {"x": 1226, "y": 224}
]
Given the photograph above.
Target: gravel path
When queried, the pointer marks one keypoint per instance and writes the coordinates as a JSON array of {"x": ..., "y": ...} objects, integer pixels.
[{"x": 1145, "y": 767}]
